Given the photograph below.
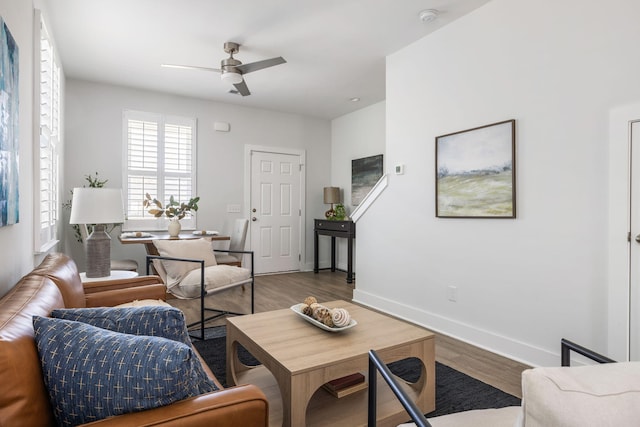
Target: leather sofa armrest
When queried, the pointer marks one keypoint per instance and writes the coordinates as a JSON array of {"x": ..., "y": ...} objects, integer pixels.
[
  {"x": 113, "y": 292},
  {"x": 108, "y": 285},
  {"x": 233, "y": 407},
  {"x": 122, "y": 296}
]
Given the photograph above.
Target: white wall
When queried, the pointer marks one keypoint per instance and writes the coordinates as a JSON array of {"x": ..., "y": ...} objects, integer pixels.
[
  {"x": 16, "y": 241},
  {"x": 94, "y": 144},
  {"x": 524, "y": 283},
  {"x": 353, "y": 136}
]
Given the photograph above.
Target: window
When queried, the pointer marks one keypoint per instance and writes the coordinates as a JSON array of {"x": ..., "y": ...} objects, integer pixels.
[
  {"x": 160, "y": 161},
  {"x": 47, "y": 142}
]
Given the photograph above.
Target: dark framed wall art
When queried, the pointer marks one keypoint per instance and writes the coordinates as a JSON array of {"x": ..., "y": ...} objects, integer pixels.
[
  {"x": 365, "y": 173},
  {"x": 476, "y": 172}
]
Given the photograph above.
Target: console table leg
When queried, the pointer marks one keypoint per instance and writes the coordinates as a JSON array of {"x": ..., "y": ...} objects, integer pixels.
[
  {"x": 333, "y": 253},
  {"x": 350, "y": 260},
  {"x": 315, "y": 252}
]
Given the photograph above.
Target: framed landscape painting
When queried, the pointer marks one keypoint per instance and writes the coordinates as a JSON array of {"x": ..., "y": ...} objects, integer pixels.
[
  {"x": 475, "y": 172},
  {"x": 365, "y": 173},
  {"x": 9, "y": 125}
]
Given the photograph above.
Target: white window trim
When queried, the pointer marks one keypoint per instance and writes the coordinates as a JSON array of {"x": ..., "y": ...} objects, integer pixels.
[
  {"x": 157, "y": 224},
  {"x": 47, "y": 135}
]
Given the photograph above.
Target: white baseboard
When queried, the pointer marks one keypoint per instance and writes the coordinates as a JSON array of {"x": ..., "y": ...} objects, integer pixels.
[{"x": 487, "y": 340}]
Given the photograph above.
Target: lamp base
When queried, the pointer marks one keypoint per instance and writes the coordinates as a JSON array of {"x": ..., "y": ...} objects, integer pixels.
[
  {"x": 330, "y": 214},
  {"x": 98, "y": 251}
]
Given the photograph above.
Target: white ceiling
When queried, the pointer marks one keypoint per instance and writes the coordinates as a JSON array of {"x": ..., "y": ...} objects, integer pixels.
[{"x": 335, "y": 49}]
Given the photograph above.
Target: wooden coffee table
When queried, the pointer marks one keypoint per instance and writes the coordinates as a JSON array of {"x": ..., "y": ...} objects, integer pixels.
[{"x": 298, "y": 358}]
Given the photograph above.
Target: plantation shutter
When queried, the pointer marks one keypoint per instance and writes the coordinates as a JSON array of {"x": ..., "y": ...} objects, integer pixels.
[
  {"x": 48, "y": 96},
  {"x": 160, "y": 162},
  {"x": 178, "y": 160}
]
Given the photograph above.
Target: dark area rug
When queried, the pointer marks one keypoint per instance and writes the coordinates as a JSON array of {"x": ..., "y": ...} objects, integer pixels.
[{"x": 455, "y": 391}]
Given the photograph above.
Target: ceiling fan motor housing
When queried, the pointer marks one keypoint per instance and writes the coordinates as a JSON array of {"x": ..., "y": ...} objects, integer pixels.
[
  {"x": 229, "y": 65},
  {"x": 229, "y": 72}
]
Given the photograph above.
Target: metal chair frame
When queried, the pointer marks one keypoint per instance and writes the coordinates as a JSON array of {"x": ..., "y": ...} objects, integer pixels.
[
  {"x": 377, "y": 365},
  {"x": 567, "y": 346},
  {"x": 203, "y": 292}
]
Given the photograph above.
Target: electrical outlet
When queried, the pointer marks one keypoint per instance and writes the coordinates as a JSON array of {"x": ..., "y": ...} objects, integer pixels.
[
  {"x": 233, "y": 208},
  {"x": 452, "y": 293}
]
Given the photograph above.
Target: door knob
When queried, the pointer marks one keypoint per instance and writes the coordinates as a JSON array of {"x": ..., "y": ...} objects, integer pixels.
[
  {"x": 638, "y": 238},
  {"x": 254, "y": 219}
]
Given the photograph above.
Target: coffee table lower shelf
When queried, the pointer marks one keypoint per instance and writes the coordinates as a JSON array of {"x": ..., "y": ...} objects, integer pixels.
[{"x": 327, "y": 410}]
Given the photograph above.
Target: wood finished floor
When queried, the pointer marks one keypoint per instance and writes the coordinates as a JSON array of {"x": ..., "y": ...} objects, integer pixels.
[{"x": 279, "y": 291}]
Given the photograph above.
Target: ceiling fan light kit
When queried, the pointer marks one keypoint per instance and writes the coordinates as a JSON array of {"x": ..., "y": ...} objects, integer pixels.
[
  {"x": 231, "y": 77},
  {"x": 232, "y": 71}
]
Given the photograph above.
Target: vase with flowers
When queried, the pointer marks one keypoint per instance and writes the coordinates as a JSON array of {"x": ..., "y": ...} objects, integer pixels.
[{"x": 174, "y": 210}]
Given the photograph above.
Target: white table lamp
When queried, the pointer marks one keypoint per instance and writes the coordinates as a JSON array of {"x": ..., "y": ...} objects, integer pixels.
[{"x": 98, "y": 206}]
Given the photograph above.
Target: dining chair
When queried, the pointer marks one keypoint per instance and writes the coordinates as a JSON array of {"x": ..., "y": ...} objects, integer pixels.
[{"x": 236, "y": 244}]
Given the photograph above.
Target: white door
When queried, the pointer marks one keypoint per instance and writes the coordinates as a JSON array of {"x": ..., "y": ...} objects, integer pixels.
[
  {"x": 634, "y": 241},
  {"x": 275, "y": 211}
]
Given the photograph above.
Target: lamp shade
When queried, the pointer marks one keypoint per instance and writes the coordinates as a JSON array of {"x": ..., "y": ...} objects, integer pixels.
[
  {"x": 97, "y": 206},
  {"x": 331, "y": 195}
]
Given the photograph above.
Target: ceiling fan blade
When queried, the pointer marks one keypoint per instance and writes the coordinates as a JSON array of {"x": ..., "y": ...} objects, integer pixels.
[
  {"x": 190, "y": 67},
  {"x": 259, "y": 65},
  {"x": 242, "y": 88}
]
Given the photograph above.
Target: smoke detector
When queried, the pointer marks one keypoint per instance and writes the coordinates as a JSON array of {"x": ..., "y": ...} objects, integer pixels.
[{"x": 428, "y": 15}]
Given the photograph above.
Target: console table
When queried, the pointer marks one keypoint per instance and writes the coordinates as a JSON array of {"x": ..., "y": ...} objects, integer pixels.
[{"x": 345, "y": 229}]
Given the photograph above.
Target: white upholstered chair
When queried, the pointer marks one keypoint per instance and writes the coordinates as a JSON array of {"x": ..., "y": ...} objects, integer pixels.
[
  {"x": 236, "y": 244},
  {"x": 189, "y": 270},
  {"x": 605, "y": 394}
]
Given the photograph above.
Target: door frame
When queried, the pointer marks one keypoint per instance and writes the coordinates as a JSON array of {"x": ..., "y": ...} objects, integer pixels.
[
  {"x": 248, "y": 150},
  {"x": 634, "y": 229},
  {"x": 619, "y": 262}
]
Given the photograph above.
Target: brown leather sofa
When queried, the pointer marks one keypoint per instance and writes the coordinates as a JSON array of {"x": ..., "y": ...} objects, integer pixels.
[{"x": 55, "y": 283}]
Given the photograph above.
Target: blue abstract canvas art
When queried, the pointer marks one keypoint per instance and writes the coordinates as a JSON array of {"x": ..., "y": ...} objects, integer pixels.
[{"x": 9, "y": 143}]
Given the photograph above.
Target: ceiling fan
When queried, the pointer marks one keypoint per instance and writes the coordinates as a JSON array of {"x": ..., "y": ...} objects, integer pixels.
[{"x": 231, "y": 70}]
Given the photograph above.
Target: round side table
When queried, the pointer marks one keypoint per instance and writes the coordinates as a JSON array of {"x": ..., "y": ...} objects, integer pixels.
[{"x": 115, "y": 275}]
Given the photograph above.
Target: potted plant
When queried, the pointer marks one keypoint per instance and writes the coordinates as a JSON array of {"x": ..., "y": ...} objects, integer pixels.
[
  {"x": 340, "y": 212},
  {"x": 174, "y": 210}
]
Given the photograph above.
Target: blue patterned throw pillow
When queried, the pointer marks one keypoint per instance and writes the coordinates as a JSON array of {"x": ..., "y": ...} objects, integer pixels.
[
  {"x": 92, "y": 373},
  {"x": 155, "y": 321}
]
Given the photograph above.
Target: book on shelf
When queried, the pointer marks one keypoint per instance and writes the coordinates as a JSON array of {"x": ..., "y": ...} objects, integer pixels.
[{"x": 346, "y": 385}]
